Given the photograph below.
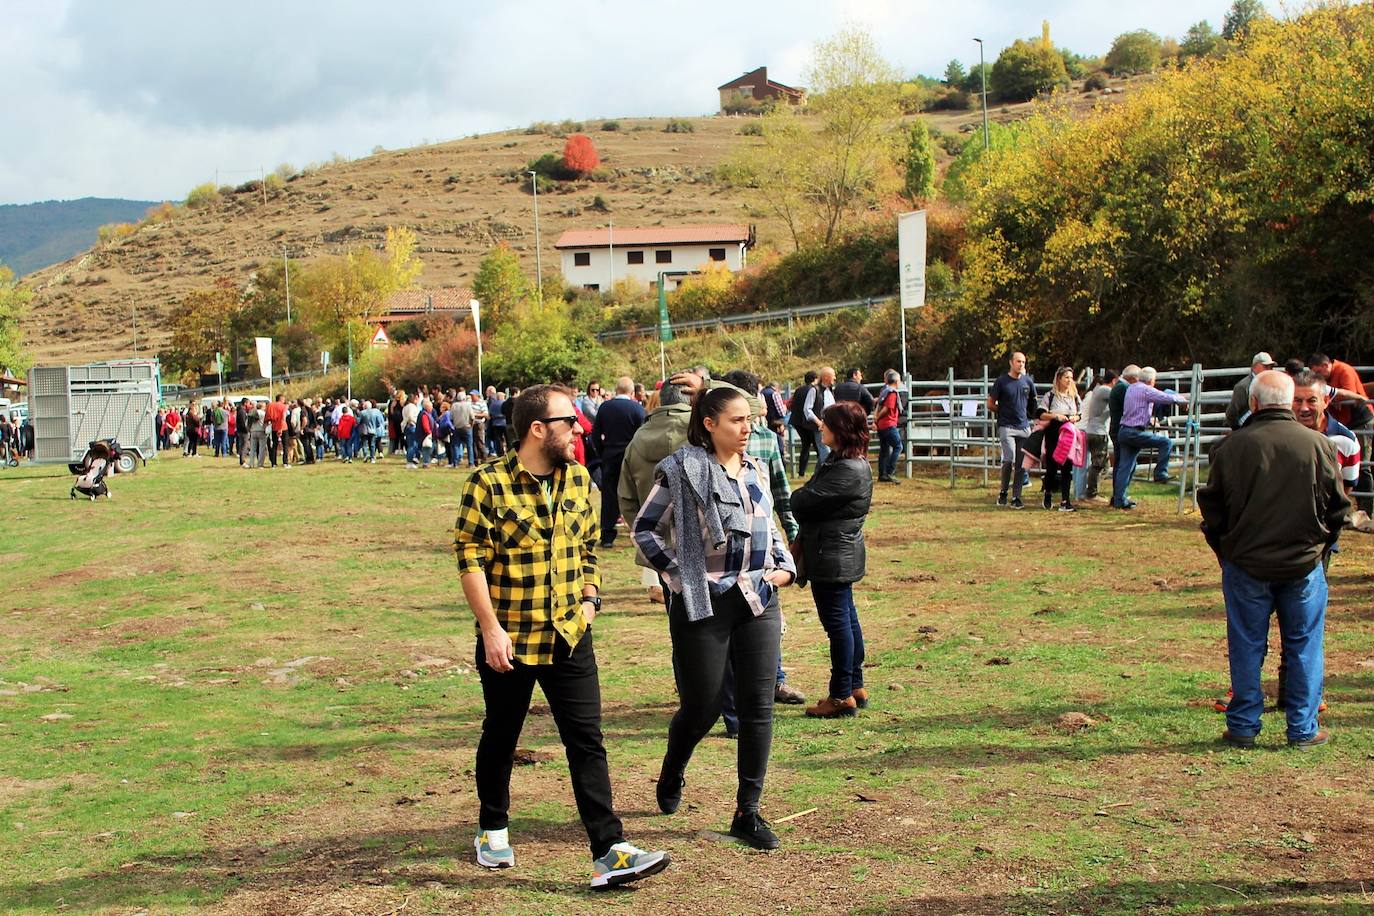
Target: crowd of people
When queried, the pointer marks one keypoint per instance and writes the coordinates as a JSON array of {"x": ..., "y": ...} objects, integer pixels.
[{"x": 694, "y": 469}]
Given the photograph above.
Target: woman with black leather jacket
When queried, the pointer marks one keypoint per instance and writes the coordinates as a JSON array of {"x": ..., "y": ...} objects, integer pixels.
[{"x": 831, "y": 509}]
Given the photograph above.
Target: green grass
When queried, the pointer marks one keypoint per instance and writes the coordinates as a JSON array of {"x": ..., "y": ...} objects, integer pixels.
[{"x": 195, "y": 761}]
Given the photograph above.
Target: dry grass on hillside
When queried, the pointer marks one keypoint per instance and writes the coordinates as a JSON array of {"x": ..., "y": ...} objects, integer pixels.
[{"x": 456, "y": 196}]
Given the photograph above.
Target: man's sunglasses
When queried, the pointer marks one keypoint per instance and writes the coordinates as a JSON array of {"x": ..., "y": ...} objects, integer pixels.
[{"x": 547, "y": 420}]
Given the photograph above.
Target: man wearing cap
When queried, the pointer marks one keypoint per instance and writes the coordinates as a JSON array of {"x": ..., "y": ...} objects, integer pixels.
[{"x": 1239, "y": 407}]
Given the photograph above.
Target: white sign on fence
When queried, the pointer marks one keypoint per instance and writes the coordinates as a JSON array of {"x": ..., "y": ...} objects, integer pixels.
[{"x": 911, "y": 252}]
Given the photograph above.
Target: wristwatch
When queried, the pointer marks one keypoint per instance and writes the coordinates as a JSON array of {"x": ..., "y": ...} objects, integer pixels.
[{"x": 594, "y": 601}]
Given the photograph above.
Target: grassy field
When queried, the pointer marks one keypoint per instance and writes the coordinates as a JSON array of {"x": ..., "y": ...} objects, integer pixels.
[{"x": 253, "y": 693}]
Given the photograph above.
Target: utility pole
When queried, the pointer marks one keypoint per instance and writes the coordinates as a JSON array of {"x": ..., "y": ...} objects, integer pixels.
[
  {"x": 133, "y": 309},
  {"x": 538, "y": 264},
  {"x": 983, "y": 72},
  {"x": 611, "y": 251},
  {"x": 286, "y": 268}
]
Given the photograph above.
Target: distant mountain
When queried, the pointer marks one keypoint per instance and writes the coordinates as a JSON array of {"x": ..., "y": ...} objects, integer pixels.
[{"x": 34, "y": 236}]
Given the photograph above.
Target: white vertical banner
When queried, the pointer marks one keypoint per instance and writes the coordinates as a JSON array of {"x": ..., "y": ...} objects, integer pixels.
[
  {"x": 264, "y": 356},
  {"x": 476, "y": 315},
  {"x": 911, "y": 253}
]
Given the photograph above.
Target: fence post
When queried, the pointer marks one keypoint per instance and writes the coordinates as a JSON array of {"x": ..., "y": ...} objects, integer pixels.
[
  {"x": 983, "y": 401},
  {"x": 950, "y": 401},
  {"x": 906, "y": 424},
  {"x": 1192, "y": 435}
]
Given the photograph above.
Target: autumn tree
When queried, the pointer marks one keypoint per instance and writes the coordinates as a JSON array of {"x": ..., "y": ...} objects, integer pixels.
[
  {"x": 500, "y": 285},
  {"x": 202, "y": 324},
  {"x": 1134, "y": 52},
  {"x": 579, "y": 154},
  {"x": 340, "y": 294},
  {"x": 1201, "y": 40},
  {"x": 14, "y": 304},
  {"x": 819, "y": 173},
  {"x": 1028, "y": 68}
]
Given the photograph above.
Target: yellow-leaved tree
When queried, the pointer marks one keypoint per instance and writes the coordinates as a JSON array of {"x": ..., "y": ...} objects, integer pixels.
[{"x": 342, "y": 293}]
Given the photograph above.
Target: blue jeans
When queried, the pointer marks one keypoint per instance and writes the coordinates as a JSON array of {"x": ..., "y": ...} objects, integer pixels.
[
  {"x": 889, "y": 450},
  {"x": 463, "y": 445},
  {"x": 1301, "y": 607},
  {"x": 839, "y": 617},
  {"x": 1131, "y": 440},
  {"x": 412, "y": 446}
]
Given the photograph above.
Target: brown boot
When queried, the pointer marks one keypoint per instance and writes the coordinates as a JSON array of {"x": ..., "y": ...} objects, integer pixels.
[
  {"x": 831, "y": 708},
  {"x": 861, "y": 697}
]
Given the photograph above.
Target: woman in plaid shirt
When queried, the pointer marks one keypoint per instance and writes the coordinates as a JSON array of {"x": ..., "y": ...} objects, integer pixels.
[{"x": 707, "y": 526}]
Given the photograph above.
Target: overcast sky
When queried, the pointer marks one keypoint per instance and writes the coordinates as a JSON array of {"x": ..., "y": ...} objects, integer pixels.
[{"x": 144, "y": 99}]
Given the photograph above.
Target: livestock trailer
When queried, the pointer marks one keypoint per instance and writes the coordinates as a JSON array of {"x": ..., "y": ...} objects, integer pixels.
[{"x": 71, "y": 406}]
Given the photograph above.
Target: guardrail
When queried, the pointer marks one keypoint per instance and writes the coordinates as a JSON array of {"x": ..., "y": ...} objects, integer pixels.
[
  {"x": 801, "y": 311},
  {"x": 245, "y": 384}
]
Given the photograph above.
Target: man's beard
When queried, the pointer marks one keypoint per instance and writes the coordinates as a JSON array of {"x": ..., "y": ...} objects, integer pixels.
[{"x": 557, "y": 455}]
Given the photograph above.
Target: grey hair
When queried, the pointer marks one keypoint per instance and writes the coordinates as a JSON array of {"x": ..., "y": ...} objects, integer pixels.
[
  {"x": 1147, "y": 374},
  {"x": 891, "y": 376},
  {"x": 670, "y": 394},
  {"x": 1272, "y": 389},
  {"x": 1131, "y": 372}
]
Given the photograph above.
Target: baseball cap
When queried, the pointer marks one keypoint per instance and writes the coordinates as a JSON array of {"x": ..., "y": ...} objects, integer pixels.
[{"x": 1263, "y": 357}]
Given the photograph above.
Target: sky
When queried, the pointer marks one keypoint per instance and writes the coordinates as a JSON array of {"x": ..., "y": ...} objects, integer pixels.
[{"x": 145, "y": 99}]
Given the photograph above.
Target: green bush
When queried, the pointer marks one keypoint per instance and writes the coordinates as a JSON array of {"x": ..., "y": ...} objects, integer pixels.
[
  {"x": 202, "y": 195},
  {"x": 751, "y": 129},
  {"x": 610, "y": 125},
  {"x": 1134, "y": 52},
  {"x": 550, "y": 166},
  {"x": 1095, "y": 82},
  {"x": 679, "y": 126}
]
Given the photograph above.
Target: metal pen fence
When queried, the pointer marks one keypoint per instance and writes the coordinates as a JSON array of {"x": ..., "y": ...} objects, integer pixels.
[
  {"x": 947, "y": 424},
  {"x": 788, "y": 315}
]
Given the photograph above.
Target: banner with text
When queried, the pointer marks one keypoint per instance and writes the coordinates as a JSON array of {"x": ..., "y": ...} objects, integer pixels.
[{"x": 911, "y": 252}]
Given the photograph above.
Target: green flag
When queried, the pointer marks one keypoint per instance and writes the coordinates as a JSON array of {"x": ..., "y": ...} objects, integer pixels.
[{"x": 665, "y": 328}]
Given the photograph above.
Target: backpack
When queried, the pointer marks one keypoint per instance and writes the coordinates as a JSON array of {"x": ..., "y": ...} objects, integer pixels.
[{"x": 770, "y": 403}]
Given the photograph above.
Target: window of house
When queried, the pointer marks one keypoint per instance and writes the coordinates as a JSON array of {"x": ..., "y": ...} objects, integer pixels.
[
  {"x": 592, "y": 287},
  {"x": 582, "y": 259},
  {"x": 634, "y": 257},
  {"x": 716, "y": 254},
  {"x": 663, "y": 257}
]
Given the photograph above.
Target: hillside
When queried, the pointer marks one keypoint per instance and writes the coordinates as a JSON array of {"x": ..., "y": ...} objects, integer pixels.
[
  {"x": 457, "y": 197},
  {"x": 34, "y": 236}
]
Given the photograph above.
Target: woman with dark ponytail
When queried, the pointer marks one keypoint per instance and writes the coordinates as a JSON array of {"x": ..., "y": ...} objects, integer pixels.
[{"x": 707, "y": 526}]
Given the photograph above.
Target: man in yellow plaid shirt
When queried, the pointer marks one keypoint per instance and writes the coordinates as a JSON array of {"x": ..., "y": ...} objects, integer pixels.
[{"x": 525, "y": 543}]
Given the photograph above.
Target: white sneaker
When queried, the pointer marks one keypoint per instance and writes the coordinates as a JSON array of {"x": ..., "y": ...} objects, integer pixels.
[{"x": 493, "y": 849}]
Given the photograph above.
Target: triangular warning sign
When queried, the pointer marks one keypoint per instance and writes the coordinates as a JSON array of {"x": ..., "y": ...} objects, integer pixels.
[{"x": 380, "y": 339}]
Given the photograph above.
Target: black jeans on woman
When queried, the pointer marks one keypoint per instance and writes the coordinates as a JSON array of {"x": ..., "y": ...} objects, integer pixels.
[
  {"x": 700, "y": 651},
  {"x": 572, "y": 688},
  {"x": 1057, "y": 474}
]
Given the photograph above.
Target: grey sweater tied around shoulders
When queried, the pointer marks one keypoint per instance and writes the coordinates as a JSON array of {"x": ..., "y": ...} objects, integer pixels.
[{"x": 697, "y": 482}]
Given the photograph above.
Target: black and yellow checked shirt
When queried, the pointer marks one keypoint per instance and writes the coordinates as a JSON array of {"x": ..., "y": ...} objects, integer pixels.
[{"x": 536, "y": 559}]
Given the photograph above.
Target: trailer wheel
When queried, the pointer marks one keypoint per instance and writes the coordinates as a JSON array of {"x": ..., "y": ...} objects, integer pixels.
[{"x": 127, "y": 463}]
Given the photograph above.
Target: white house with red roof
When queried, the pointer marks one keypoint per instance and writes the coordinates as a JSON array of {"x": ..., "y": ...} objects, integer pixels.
[{"x": 597, "y": 259}]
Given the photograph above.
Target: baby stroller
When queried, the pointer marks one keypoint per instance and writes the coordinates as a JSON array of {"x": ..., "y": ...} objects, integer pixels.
[{"x": 90, "y": 481}]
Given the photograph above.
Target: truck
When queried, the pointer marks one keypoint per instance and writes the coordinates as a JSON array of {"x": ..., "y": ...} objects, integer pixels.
[{"x": 72, "y": 406}]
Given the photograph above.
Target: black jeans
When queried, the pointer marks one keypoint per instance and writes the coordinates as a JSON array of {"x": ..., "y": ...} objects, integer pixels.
[
  {"x": 700, "y": 652},
  {"x": 809, "y": 443},
  {"x": 273, "y": 440},
  {"x": 1057, "y": 476},
  {"x": 610, "y": 501},
  {"x": 573, "y": 691}
]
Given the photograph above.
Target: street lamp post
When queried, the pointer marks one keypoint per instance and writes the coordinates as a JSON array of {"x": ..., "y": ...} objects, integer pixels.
[
  {"x": 983, "y": 72},
  {"x": 538, "y": 264}
]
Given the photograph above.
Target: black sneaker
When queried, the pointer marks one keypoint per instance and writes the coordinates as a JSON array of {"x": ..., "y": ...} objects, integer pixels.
[
  {"x": 669, "y": 791},
  {"x": 1048, "y": 499},
  {"x": 1242, "y": 742},
  {"x": 1002, "y": 498},
  {"x": 1067, "y": 506},
  {"x": 753, "y": 830},
  {"x": 1016, "y": 503}
]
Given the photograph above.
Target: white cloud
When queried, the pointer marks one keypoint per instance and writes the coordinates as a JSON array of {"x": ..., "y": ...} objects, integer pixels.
[{"x": 146, "y": 98}]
